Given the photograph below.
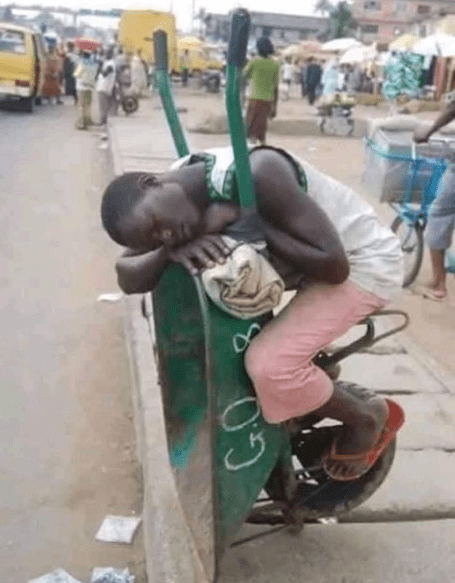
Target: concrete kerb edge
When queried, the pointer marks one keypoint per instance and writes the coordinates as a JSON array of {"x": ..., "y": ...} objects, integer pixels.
[
  {"x": 171, "y": 556},
  {"x": 170, "y": 553}
]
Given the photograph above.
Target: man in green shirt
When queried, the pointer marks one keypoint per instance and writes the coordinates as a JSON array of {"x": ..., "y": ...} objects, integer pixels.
[{"x": 263, "y": 73}]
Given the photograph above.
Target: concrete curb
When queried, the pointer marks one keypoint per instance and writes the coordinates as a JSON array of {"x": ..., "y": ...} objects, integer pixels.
[
  {"x": 171, "y": 556},
  {"x": 170, "y": 553}
]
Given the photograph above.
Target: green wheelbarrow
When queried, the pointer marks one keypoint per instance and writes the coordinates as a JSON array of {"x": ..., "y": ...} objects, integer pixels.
[{"x": 230, "y": 466}]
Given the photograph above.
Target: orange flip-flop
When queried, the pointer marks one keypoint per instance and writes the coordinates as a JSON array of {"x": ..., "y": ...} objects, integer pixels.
[{"x": 393, "y": 423}]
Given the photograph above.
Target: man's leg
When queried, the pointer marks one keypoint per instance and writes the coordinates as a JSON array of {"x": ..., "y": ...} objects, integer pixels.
[
  {"x": 103, "y": 101},
  {"x": 289, "y": 384},
  {"x": 81, "y": 110},
  {"x": 439, "y": 231}
]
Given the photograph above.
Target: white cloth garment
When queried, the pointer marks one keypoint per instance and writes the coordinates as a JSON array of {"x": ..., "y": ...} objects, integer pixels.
[{"x": 106, "y": 83}]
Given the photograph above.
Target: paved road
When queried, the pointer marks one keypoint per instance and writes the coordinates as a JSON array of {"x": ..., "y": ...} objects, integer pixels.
[{"x": 67, "y": 455}]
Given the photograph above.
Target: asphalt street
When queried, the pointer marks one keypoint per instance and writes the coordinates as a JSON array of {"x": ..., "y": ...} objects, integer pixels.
[{"x": 66, "y": 431}]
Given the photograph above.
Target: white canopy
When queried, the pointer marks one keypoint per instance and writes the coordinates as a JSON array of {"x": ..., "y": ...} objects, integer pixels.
[
  {"x": 360, "y": 54},
  {"x": 340, "y": 45},
  {"x": 439, "y": 45}
]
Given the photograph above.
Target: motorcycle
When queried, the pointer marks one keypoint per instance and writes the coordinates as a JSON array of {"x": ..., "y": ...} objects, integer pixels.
[{"x": 230, "y": 465}]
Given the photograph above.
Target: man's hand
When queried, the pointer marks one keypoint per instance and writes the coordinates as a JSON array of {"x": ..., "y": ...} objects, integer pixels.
[
  {"x": 421, "y": 136},
  {"x": 201, "y": 253}
]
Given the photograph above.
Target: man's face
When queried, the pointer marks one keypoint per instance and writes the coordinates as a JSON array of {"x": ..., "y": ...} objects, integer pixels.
[{"x": 164, "y": 217}]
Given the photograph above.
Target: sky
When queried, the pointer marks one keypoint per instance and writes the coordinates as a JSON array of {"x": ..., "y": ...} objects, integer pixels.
[{"x": 182, "y": 8}]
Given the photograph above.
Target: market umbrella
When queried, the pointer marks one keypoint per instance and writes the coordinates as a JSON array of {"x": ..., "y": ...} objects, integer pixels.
[
  {"x": 86, "y": 44},
  {"x": 310, "y": 46},
  {"x": 405, "y": 42},
  {"x": 439, "y": 45},
  {"x": 447, "y": 24},
  {"x": 340, "y": 45},
  {"x": 360, "y": 54}
]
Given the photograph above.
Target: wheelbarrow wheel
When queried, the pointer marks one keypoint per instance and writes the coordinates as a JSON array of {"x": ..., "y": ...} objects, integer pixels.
[
  {"x": 130, "y": 104},
  {"x": 316, "y": 494}
]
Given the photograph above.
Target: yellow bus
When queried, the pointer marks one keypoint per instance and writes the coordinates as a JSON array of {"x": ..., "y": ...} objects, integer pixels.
[{"x": 136, "y": 30}]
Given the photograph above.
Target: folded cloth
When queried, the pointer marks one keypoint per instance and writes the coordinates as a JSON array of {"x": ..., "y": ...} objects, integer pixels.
[{"x": 246, "y": 285}]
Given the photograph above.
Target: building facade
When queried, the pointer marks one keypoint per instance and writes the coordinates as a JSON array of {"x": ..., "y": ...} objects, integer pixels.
[
  {"x": 385, "y": 20},
  {"x": 282, "y": 29}
]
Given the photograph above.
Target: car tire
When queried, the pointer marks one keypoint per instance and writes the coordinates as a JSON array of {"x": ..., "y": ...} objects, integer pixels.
[{"x": 28, "y": 104}]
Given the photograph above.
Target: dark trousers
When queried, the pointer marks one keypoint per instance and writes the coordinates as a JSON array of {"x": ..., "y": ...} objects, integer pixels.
[
  {"x": 185, "y": 75},
  {"x": 311, "y": 93}
]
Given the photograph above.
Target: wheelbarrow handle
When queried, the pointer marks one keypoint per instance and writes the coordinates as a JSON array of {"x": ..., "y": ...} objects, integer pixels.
[
  {"x": 160, "y": 50},
  {"x": 238, "y": 41},
  {"x": 164, "y": 89}
]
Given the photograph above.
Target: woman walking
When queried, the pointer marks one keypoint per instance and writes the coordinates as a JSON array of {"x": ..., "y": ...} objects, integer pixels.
[
  {"x": 52, "y": 77},
  {"x": 263, "y": 73}
]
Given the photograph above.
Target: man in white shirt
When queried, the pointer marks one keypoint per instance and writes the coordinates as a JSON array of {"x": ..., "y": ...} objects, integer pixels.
[
  {"x": 287, "y": 75},
  {"x": 105, "y": 86},
  {"x": 85, "y": 81}
]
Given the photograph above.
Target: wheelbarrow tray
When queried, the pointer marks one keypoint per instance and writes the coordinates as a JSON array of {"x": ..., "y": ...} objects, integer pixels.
[{"x": 221, "y": 449}]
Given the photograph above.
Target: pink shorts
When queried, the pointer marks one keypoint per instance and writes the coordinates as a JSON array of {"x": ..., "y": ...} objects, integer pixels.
[{"x": 279, "y": 359}]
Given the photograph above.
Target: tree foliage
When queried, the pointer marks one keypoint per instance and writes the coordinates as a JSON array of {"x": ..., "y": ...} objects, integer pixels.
[{"x": 341, "y": 23}]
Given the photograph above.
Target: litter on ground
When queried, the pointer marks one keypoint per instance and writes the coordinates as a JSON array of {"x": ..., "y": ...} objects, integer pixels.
[
  {"x": 57, "y": 576},
  {"x": 118, "y": 529},
  {"x": 111, "y": 575}
]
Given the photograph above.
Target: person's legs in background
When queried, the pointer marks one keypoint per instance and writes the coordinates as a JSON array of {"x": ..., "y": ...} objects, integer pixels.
[
  {"x": 439, "y": 231},
  {"x": 311, "y": 92}
]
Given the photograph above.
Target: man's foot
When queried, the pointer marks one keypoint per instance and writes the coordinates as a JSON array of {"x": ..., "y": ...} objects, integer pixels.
[
  {"x": 435, "y": 290},
  {"x": 358, "y": 448},
  {"x": 437, "y": 295}
]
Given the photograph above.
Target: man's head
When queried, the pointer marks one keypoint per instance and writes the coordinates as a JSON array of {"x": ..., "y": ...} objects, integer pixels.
[
  {"x": 141, "y": 212},
  {"x": 264, "y": 46},
  {"x": 110, "y": 53}
]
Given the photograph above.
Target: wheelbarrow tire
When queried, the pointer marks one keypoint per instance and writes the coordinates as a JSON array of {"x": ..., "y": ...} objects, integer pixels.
[
  {"x": 318, "y": 495},
  {"x": 130, "y": 104}
]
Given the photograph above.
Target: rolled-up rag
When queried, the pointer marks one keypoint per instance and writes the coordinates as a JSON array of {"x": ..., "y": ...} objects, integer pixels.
[{"x": 246, "y": 285}]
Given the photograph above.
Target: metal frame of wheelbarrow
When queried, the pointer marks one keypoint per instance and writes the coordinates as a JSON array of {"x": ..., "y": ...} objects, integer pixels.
[{"x": 221, "y": 449}]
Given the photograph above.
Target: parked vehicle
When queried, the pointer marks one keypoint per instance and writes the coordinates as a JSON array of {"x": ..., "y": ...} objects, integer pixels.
[
  {"x": 202, "y": 57},
  {"x": 22, "y": 60},
  {"x": 136, "y": 30}
]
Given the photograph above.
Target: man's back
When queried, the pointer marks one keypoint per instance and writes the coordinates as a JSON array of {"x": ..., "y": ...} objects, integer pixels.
[{"x": 263, "y": 73}]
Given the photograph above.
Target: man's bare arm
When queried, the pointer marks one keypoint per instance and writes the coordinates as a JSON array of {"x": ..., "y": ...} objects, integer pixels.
[
  {"x": 446, "y": 117},
  {"x": 326, "y": 265},
  {"x": 297, "y": 229},
  {"x": 140, "y": 272}
]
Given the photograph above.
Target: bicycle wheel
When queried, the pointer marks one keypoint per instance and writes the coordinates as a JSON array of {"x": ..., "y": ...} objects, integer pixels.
[{"x": 411, "y": 239}]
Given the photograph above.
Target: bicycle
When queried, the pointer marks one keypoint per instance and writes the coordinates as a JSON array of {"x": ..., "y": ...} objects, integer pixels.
[{"x": 409, "y": 186}]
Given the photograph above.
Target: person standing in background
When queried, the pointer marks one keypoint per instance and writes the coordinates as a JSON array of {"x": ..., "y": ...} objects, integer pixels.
[
  {"x": 441, "y": 220},
  {"x": 287, "y": 75},
  {"x": 138, "y": 76},
  {"x": 69, "y": 66},
  {"x": 85, "y": 74},
  {"x": 52, "y": 76},
  {"x": 302, "y": 74},
  {"x": 313, "y": 74},
  {"x": 185, "y": 66},
  {"x": 263, "y": 73},
  {"x": 105, "y": 86}
]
